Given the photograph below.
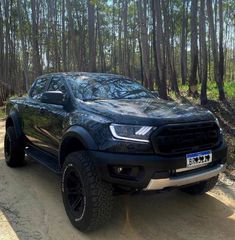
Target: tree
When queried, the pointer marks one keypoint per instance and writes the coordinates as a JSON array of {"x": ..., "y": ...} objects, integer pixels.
[
  {"x": 214, "y": 46},
  {"x": 91, "y": 36},
  {"x": 221, "y": 40},
  {"x": 141, "y": 6},
  {"x": 23, "y": 43},
  {"x": 194, "y": 51},
  {"x": 183, "y": 56},
  {"x": 202, "y": 33},
  {"x": 167, "y": 46},
  {"x": 160, "y": 51},
  {"x": 64, "y": 52},
  {"x": 37, "y": 68},
  {"x": 154, "y": 43}
]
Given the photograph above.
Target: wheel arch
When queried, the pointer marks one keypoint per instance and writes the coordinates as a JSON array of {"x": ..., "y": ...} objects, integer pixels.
[
  {"x": 13, "y": 119},
  {"x": 75, "y": 138}
]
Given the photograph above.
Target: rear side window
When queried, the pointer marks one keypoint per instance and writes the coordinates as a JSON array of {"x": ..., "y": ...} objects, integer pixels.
[{"x": 39, "y": 88}]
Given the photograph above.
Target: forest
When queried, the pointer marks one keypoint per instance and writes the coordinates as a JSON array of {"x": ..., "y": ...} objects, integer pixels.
[{"x": 169, "y": 46}]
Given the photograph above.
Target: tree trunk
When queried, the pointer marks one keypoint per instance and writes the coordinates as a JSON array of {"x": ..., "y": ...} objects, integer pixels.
[
  {"x": 24, "y": 49},
  {"x": 157, "y": 77},
  {"x": 160, "y": 49},
  {"x": 37, "y": 68},
  {"x": 64, "y": 53},
  {"x": 214, "y": 47},
  {"x": 183, "y": 57},
  {"x": 221, "y": 39},
  {"x": 194, "y": 51},
  {"x": 114, "y": 52},
  {"x": 125, "y": 67},
  {"x": 91, "y": 36},
  {"x": 74, "y": 48},
  {"x": 144, "y": 43},
  {"x": 202, "y": 32},
  {"x": 170, "y": 55},
  {"x": 102, "y": 63}
]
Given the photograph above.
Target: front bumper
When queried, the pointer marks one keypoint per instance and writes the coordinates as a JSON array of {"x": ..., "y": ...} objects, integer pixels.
[
  {"x": 153, "y": 172},
  {"x": 188, "y": 178}
]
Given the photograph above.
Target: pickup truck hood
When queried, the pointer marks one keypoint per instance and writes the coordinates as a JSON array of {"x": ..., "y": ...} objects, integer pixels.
[{"x": 148, "y": 111}]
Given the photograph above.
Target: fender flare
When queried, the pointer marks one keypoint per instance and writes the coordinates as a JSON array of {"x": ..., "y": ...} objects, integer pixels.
[
  {"x": 82, "y": 135},
  {"x": 15, "y": 118}
]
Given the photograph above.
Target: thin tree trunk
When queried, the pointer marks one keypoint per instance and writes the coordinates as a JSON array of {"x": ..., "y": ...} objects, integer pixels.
[
  {"x": 114, "y": 53},
  {"x": 194, "y": 51},
  {"x": 157, "y": 77},
  {"x": 160, "y": 49},
  {"x": 183, "y": 58},
  {"x": 170, "y": 55},
  {"x": 221, "y": 40},
  {"x": 91, "y": 36},
  {"x": 74, "y": 46},
  {"x": 144, "y": 43},
  {"x": 215, "y": 51},
  {"x": 24, "y": 49},
  {"x": 102, "y": 62},
  {"x": 64, "y": 54},
  {"x": 125, "y": 67},
  {"x": 36, "y": 56},
  {"x": 202, "y": 31}
]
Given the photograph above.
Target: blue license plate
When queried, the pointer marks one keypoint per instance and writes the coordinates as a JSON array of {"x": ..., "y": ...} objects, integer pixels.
[{"x": 199, "y": 158}]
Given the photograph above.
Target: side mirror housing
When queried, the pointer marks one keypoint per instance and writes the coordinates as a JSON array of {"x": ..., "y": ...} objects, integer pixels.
[{"x": 53, "y": 97}]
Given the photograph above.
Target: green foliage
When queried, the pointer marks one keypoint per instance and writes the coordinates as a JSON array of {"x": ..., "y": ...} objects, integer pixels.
[
  {"x": 2, "y": 112},
  {"x": 212, "y": 90}
]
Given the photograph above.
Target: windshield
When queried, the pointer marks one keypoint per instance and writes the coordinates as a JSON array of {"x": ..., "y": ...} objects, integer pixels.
[{"x": 90, "y": 89}]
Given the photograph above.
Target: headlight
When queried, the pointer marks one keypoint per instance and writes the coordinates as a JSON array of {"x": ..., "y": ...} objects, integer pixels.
[{"x": 131, "y": 132}]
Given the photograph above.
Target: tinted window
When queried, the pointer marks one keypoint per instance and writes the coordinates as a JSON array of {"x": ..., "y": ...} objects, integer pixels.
[
  {"x": 57, "y": 84},
  {"x": 87, "y": 89},
  {"x": 39, "y": 88}
]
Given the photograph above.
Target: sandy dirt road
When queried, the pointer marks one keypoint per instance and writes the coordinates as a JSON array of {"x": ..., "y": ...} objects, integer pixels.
[{"x": 31, "y": 208}]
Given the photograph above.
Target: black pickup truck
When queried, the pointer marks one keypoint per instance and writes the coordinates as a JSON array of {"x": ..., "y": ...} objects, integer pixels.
[{"x": 107, "y": 134}]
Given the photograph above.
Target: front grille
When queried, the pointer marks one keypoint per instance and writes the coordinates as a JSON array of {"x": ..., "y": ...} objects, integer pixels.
[{"x": 185, "y": 138}]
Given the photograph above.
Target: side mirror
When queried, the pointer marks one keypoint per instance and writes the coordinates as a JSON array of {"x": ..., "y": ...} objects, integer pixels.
[{"x": 53, "y": 97}]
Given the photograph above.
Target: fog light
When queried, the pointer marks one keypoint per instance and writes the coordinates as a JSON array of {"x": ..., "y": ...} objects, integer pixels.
[
  {"x": 118, "y": 170},
  {"x": 125, "y": 171}
]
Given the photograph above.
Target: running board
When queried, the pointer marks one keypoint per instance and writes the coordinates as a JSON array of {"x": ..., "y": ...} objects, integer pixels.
[{"x": 44, "y": 158}]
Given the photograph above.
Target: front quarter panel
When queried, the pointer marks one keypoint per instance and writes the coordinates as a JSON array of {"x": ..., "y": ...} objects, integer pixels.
[
  {"x": 98, "y": 128},
  {"x": 94, "y": 124}
]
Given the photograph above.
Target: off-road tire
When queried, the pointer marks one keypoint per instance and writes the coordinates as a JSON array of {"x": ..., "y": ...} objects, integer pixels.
[
  {"x": 13, "y": 149},
  {"x": 97, "y": 196},
  {"x": 202, "y": 187}
]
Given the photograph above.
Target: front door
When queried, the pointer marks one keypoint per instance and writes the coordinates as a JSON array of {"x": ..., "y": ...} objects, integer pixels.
[{"x": 52, "y": 118}]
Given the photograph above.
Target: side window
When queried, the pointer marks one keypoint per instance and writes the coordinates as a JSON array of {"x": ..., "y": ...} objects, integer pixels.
[
  {"x": 39, "y": 88},
  {"x": 57, "y": 84}
]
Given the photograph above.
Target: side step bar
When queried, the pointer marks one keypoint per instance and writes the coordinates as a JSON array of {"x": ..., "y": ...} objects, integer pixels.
[
  {"x": 188, "y": 178},
  {"x": 46, "y": 159}
]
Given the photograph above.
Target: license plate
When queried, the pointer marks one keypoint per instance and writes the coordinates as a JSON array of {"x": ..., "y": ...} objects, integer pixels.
[{"x": 199, "y": 158}]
